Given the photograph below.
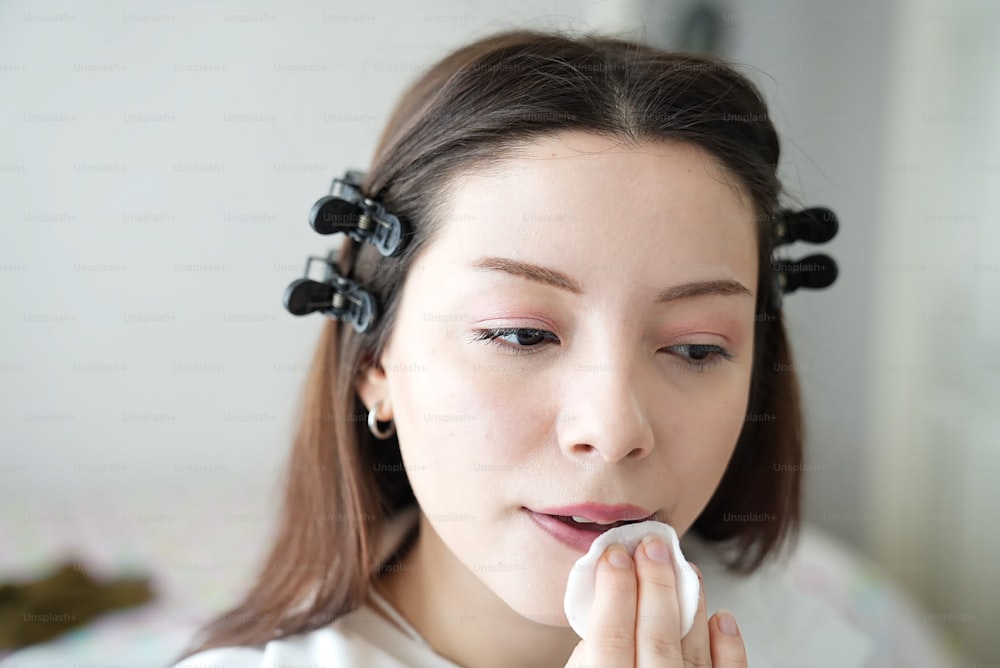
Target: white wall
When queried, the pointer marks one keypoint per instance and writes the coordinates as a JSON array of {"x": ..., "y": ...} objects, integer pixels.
[
  {"x": 936, "y": 444},
  {"x": 157, "y": 168},
  {"x": 890, "y": 114}
]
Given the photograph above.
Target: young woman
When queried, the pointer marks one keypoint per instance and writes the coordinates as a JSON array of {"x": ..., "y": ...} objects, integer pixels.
[{"x": 581, "y": 319}]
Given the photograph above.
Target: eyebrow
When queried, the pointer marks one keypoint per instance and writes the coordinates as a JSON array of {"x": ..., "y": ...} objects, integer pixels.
[{"x": 534, "y": 272}]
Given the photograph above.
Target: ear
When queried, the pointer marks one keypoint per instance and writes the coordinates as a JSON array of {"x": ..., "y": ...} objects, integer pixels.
[{"x": 372, "y": 385}]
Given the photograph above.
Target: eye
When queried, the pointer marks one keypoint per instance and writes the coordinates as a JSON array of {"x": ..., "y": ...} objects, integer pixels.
[
  {"x": 700, "y": 356},
  {"x": 524, "y": 337}
]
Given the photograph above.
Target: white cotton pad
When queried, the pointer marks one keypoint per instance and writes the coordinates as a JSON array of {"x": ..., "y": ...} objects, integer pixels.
[{"x": 583, "y": 577}]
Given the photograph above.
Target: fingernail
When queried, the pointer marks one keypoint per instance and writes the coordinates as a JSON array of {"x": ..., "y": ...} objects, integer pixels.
[
  {"x": 727, "y": 623},
  {"x": 696, "y": 570},
  {"x": 656, "y": 549},
  {"x": 619, "y": 557}
]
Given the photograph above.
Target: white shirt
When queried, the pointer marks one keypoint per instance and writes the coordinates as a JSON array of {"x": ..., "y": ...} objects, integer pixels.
[{"x": 781, "y": 627}]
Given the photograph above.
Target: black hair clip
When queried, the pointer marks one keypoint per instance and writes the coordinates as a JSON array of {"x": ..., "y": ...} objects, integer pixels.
[
  {"x": 337, "y": 297},
  {"x": 347, "y": 210},
  {"x": 363, "y": 219},
  {"x": 816, "y": 225},
  {"x": 815, "y": 272}
]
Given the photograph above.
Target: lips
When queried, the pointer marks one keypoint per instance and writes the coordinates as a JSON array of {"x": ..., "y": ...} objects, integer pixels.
[{"x": 559, "y": 523}]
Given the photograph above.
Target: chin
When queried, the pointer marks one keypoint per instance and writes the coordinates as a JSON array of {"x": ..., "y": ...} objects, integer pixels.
[
  {"x": 535, "y": 596},
  {"x": 545, "y": 613}
]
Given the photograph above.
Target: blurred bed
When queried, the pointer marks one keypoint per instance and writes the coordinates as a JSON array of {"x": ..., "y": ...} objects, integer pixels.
[{"x": 200, "y": 550}]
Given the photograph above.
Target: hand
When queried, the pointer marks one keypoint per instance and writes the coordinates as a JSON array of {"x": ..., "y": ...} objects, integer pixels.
[{"x": 635, "y": 621}]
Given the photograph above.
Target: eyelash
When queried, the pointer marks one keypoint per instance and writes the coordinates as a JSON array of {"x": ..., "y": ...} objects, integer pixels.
[{"x": 492, "y": 337}]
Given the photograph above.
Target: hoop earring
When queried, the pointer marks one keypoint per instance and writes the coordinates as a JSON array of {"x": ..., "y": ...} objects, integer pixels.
[{"x": 373, "y": 424}]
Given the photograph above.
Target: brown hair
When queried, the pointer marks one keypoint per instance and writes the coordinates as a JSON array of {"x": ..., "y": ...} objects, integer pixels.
[{"x": 472, "y": 109}]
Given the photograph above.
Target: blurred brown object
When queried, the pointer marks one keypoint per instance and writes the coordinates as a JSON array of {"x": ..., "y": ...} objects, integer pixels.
[{"x": 36, "y": 611}]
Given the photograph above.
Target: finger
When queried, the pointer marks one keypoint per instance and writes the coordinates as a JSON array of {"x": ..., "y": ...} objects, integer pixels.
[
  {"x": 695, "y": 645},
  {"x": 611, "y": 627},
  {"x": 728, "y": 650},
  {"x": 658, "y": 626}
]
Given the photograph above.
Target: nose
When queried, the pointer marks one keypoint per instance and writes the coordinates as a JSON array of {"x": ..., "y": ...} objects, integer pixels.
[{"x": 603, "y": 416}]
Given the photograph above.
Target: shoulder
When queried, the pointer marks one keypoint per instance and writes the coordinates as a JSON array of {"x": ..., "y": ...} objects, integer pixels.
[
  {"x": 224, "y": 657},
  {"x": 327, "y": 646},
  {"x": 786, "y": 627},
  {"x": 351, "y": 641},
  {"x": 783, "y": 624}
]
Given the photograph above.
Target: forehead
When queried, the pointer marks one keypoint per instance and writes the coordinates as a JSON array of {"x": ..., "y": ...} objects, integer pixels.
[{"x": 589, "y": 203}]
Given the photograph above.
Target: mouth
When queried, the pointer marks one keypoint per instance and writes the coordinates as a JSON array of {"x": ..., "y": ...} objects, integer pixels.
[
  {"x": 579, "y": 531},
  {"x": 584, "y": 524}
]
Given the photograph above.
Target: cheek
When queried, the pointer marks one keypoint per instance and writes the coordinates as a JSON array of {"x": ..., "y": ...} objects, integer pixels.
[
  {"x": 699, "y": 458},
  {"x": 461, "y": 418}
]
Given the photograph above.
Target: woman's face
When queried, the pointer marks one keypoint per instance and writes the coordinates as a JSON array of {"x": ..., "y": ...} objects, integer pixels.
[{"x": 623, "y": 267}]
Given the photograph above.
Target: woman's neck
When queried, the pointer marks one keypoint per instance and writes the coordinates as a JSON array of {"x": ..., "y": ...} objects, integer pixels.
[{"x": 461, "y": 618}]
